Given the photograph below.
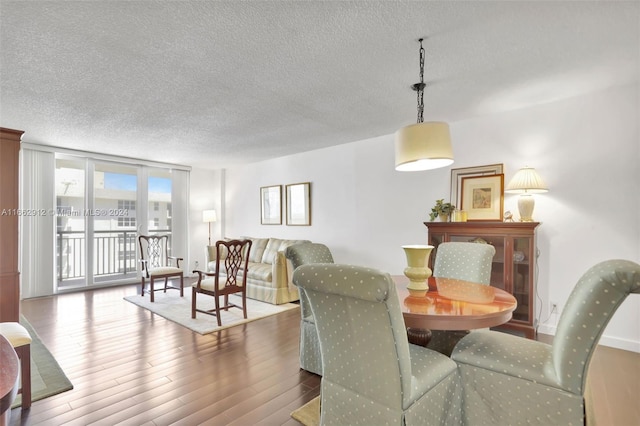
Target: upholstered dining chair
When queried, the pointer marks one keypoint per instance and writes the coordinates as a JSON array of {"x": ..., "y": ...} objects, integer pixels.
[
  {"x": 508, "y": 379},
  {"x": 229, "y": 277},
  {"x": 302, "y": 254},
  {"x": 371, "y": 374},
  {"x": 463, "y": 261},
  {"x": 158, "y": 264}
]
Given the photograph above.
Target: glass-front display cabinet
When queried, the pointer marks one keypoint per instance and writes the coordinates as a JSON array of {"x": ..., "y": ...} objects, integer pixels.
[{"x": 514, "y": 264}]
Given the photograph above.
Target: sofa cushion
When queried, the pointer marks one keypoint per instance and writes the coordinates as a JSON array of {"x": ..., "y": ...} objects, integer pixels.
[
  {"x": 260, "y": 271},
  {"x": 275, "y": 245},
  {"x": 287, "y": 243},
  {"x": 270, "y": 251},
  {"x": 257, "y": 248}
]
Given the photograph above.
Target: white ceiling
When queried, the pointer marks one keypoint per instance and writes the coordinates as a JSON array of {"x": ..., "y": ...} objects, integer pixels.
[{"x": 217, "y": 84}]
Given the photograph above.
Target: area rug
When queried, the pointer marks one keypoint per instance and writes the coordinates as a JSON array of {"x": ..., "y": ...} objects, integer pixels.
[
  {"x": 178, "y": 309},
  {"x": 47, "y": 378},
  {"x": 309, "y": 413}
]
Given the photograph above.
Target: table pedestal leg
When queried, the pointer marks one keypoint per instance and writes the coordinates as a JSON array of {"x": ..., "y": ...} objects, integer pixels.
[{"x": 419, "y": 336}]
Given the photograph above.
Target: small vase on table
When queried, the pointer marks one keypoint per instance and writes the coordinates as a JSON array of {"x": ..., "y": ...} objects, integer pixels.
[{"x": 417, "y": 270}]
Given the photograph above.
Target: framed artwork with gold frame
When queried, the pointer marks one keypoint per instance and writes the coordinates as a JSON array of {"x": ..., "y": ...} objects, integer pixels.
[
  {"x": 483, "y": 197},
  {"x": 271, "y": 205},
  {"x": 298, "y": 204},
  {"x": 458, "y": 174}
]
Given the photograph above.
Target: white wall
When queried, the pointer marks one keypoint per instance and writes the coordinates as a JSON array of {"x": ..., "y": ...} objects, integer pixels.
[
  {"x": 586, "y": 148},
  {"x": 205, "y": 193}
]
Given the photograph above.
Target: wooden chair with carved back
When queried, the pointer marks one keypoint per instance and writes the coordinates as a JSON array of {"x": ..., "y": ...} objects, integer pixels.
[
  {"x": 229, "y": 277},
  {"x": 156, "y": 264}
]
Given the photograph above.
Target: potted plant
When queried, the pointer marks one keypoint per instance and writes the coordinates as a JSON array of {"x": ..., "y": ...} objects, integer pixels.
[{"x": 441, "y": 210}]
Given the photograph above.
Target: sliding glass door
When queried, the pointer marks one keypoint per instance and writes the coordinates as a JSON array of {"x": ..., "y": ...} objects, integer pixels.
[
  {"x": 70, "y": 190},
  {"x": 101, "y": 209},
  {"x": 113, "y": 220}
]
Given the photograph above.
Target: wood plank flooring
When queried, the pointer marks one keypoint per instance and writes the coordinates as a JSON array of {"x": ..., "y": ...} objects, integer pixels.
[{"x": 131, "y": 367}]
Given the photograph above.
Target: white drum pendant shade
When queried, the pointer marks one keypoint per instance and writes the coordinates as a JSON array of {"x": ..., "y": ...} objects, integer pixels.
[{"x": 423, "y": 146}]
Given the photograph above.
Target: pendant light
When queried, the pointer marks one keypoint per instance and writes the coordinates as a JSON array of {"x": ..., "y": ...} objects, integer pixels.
[{"x": 423, "y": 146}]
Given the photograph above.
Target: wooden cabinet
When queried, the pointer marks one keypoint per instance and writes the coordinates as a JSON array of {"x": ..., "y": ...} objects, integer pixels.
[
  {"x": 514, "y": 264},
  {"x": 9, "y": 275}
]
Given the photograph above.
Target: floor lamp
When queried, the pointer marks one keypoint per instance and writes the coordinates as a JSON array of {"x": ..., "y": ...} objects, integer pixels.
[{"x": 209, "y": 216}]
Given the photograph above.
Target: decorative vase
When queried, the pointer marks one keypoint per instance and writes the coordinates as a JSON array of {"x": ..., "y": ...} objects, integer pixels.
[
  {"x": 443, "y": 217},
  {"x": 417, "y": 270}
]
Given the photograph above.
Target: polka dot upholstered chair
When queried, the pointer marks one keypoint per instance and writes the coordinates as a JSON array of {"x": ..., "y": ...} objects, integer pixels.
[
  {"x": 510, "y": 380},
  {"x": 463, "y": 261},
  {"x": 371, "y": 374},
  {"x": 301, "y": 254}
]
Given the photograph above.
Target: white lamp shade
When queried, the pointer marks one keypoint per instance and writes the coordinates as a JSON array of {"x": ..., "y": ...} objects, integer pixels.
[
  {"x": 209, "y": 216},
  {"x": 423, "y": 146},
  {"x": 526, "y": 180}
]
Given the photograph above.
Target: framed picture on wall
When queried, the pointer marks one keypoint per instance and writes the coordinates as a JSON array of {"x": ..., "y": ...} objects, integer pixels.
[
  {"x": 271, "y": 205},
  {"x": 458, "y": 174},
  {"x": 299, "y": 204},
  {"x": 483, "y": 197}
]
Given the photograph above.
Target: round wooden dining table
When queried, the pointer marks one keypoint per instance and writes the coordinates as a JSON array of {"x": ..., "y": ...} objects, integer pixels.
[
  {"x": 452, "y": 304},
  {"x": 9, "y": 371}
]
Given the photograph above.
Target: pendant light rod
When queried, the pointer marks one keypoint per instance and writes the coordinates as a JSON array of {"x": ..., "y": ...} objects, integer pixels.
[{"x": 420, "y": 86}]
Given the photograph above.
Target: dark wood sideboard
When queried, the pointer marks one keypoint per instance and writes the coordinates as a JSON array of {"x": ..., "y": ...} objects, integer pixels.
[
  {"x": 514, "y": 264},
  {"x": 9, "y": 275}
]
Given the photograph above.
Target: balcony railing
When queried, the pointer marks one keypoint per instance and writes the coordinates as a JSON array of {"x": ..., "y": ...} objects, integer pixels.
[{"x": 115, "y": 253}]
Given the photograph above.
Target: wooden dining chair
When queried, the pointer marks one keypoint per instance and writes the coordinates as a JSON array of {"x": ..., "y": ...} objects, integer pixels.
[
  {"x": 229, "y": 277},
  {"x": 156, "y": 264}
]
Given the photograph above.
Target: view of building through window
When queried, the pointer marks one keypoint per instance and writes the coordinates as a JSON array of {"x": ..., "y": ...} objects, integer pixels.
[{"x": 105, "y": 211}]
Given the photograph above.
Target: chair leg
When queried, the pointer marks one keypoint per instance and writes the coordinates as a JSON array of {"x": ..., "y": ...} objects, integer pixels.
[
  {"x": 193, "y": 302},
  {"x": 226, "y": 302},
  {"x": 244, "y": 305},
  {"x": 142, "y": 288},
  {"x": 24, "y": 353},
  {"x": 218, "y": 310},
  {"x": 151, "y": 292},
  {"x": 181, "y": 285},
  {"x": 166, "y": 280}
]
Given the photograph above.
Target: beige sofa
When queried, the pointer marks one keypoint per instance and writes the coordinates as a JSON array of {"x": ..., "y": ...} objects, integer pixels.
[{"x": 270, "y": 273}]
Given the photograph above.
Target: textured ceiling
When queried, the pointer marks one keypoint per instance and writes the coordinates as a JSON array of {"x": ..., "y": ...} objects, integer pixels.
[{"x": 217, "y": 84}]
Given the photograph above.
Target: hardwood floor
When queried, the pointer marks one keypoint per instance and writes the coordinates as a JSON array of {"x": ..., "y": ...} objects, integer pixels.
[{"x": 131, "y": 367}]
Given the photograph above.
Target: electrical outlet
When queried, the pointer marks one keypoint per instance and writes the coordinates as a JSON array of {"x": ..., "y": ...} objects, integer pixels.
[
  {"x": 196, "y": 263},
  {"x": 553, "y": 308}
]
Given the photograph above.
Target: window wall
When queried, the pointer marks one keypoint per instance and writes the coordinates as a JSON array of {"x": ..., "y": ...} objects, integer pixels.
[{"x": 100, "y": 206}]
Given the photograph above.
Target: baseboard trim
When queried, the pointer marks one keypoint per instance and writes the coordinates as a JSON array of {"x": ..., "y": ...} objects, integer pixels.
[{"x": 614, "y": 342}]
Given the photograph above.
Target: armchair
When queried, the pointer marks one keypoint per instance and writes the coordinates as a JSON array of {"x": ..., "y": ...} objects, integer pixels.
[
  {"x": 301, "y": 254},
  {"x": 230, "y": 276},
  {"x": 157, "y": 264},
  {"x": 371, "y": 374},
  {"x": 508, "y": 379}
]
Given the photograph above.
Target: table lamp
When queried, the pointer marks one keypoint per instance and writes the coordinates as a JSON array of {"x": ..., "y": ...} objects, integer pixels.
[
  {"x": 526, "y": 182},
  {"x": 209, "y": 216}
]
